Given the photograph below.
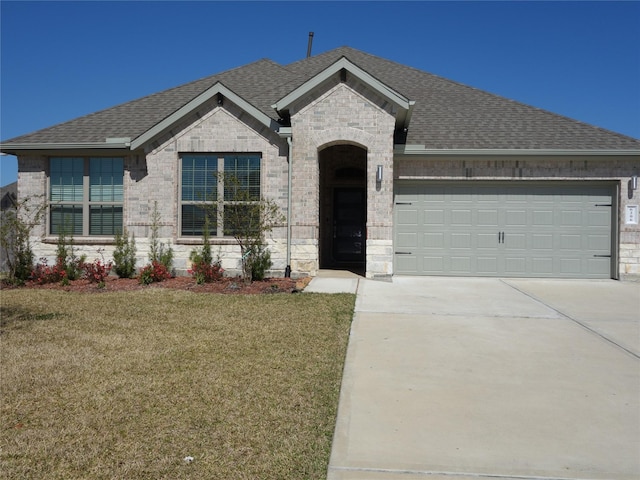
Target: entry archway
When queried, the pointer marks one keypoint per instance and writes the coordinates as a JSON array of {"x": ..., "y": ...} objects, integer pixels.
[{"x": 343, "y": 207}]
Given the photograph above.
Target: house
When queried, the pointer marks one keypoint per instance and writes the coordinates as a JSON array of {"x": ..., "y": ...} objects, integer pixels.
[{"x": 376, "y": 166}]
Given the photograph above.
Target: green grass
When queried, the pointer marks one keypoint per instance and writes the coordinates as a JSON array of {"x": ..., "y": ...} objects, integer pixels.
[{"x": 125, "y": 385}]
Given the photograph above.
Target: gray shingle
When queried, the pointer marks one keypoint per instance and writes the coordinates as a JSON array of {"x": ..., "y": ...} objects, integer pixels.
[{"x": 447, "y": 114}]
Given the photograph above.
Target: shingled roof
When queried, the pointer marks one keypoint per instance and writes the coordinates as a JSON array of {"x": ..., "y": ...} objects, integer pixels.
[{"x": 447, "y": 115}]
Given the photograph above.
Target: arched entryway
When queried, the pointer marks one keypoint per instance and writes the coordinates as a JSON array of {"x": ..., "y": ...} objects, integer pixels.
[{"x": 343, "y": 207}]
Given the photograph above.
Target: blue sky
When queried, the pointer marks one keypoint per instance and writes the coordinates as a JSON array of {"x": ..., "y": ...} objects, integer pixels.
[{"x": 61, "y": 60}]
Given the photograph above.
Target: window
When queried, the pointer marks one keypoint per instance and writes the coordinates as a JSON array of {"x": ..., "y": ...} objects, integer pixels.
[
  {"x": 217, "y": 182},
  {"x": 86, "y": 195}
]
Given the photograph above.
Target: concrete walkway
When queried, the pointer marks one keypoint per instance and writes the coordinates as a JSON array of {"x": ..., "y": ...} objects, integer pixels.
[{"x": 460, "y": 379}]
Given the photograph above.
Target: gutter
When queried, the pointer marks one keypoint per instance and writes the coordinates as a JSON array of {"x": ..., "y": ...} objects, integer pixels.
[
  {"x": 285, "y": 132},
  {"x": 118, "y": 144},
  {"x": 410, "y": 150}
]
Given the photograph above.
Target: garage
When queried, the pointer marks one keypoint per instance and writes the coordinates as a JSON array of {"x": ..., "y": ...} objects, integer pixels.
[{"x": 505, "y": 229}]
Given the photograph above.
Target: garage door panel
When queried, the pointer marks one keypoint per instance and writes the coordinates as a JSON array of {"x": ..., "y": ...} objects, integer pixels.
[
  {"x": 570, "y": 242},
  {"x": 433, "y": 265},
  {"x": 487, "y": 265},
  {"x": 487, "y": 240},
  {"x": 542, "y": 266},
  {"x": 596, "y": 264},
  {"x": 460, "y": 265},
  {"x": 407, "y": 264},
  {"x": 542, "y": 241},
  {"x": 407, "y": 240},
  {"x": 487, "y": 217},
  {"x": 515, "y": 265},
  {"x": 434, "y": 217},
  {"x": 504, "y": 229},
  {"x": 461, "y": 240},
  {"x": 542, "y": 218},
  {"x": 515, "y": 217},
  {"x": 570, "y": 266},
  {"x": 517, "y": 241},
  {"x": 408, "y": 217},
  {"x": 433, "y": 240},
  {"x": 599, "y": 218},
  {"x": 601, "y": 243},
  {"x": 461, "y": 217}
]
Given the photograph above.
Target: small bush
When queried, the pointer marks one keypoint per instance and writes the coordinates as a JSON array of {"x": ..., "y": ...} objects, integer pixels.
[
  {"x": 203, "y": 268},
  {"x": 97, "y": 271},
  {"x": 124, "y": 255},
  {"x": 158, "y": 251},
  {"x": 43, "y": 273},
  {"x": 259, "y": 261},
  {"x": 66, "y": 257},
  {"x": 205, "y": 272},
  {"x": 155, "y": 272}
]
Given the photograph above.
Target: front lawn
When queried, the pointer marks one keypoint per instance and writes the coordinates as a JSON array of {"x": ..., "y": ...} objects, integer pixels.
[{"x": 126, "y": 385}]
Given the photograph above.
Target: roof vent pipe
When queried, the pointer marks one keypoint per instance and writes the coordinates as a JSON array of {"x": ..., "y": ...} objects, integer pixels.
[{"x": 309, "y": 44}]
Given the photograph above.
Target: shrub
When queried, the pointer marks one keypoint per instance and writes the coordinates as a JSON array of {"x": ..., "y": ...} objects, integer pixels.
[
  {"x": 97, "y": 271},
  {"x": 259, "y": 261},
  {"x": 203, "y": 268},
  {"x": 158, "y": 251},
  {"x": 205, "y": 272},
  {"x": 66, "y": 257},
  {"x": 124, "y": 255},
  {"x": 155, "y": 272},
  {"x": 43, "y": 273}
]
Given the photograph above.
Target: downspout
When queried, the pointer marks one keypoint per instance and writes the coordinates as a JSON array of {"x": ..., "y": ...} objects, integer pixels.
[{"x": 287, "y": 270}]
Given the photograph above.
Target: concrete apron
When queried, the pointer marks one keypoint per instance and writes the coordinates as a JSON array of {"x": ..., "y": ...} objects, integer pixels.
[{"x": 456, "y": 379}]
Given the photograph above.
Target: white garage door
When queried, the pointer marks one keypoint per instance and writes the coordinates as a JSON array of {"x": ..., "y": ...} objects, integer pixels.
[{"x": 516, "y": 229}]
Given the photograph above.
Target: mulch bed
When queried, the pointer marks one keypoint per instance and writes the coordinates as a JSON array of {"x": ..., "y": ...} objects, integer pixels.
[{"x": 226, "y": 285}]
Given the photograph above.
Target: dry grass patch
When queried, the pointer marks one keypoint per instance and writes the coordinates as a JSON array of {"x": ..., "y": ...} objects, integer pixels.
[{"x": 126, "y": 385}]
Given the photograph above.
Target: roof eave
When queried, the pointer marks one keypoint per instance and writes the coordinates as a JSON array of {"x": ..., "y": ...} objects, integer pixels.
[
  {"x": 16, "y": 148},
  {"x": 412, "y": 150}
]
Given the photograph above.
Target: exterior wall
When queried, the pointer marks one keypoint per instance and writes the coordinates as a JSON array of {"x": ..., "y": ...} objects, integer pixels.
[
  {"x": 618, "y": 169},
  {"x": 220, "y": 130},
  {"x": 345, "y": 114},
  {"x": 152, "y": 178}
]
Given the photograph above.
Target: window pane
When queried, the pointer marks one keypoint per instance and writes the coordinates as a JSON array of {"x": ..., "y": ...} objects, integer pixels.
[
  {"x": 241, "y": 218},
  {"x": 193, "y": 220},
  {"x": 199, "y": 178},
  {"x": 67, "y": 219},
  {"x": 105, "y": 179},
  {"x": 105, "y": 220},
  {"x": 242, "y": 177},
  {"x": 65, "y": 178}
]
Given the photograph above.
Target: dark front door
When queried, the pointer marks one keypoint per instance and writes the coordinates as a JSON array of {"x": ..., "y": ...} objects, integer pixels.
[{"x": 349, "y": 224}]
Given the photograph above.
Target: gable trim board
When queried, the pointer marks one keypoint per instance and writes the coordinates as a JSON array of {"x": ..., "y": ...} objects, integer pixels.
[{"x": 421, "y": 129}]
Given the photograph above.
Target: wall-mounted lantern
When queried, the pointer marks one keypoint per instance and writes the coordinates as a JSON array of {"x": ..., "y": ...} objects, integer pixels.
[{"x": 379, "y": 174}]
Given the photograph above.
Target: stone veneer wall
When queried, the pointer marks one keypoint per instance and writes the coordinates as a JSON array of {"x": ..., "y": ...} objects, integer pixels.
[
  {"x": 618, "y": 169},
  {"x": 345, "y": 114}
]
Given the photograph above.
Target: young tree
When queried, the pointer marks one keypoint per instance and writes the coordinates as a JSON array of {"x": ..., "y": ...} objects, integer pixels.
[
  {"x": 15, "y": 230},
  {"x": 248, "y": 218}
]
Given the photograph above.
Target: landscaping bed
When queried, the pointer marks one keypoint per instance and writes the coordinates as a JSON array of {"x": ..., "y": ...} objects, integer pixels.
[{"x": 227, "y": 285}]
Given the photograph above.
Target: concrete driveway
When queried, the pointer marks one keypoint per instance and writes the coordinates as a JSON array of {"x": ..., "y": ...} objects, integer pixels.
[{"x": 460, "y": 379}]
